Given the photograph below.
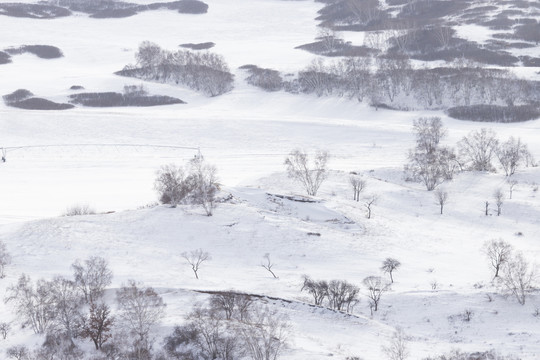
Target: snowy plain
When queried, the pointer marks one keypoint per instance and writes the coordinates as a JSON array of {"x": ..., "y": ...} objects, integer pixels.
[{"x": 246, "y": 134}]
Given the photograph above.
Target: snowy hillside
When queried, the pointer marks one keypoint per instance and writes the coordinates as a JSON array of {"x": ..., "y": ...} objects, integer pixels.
[{"x": 108, "y": 158}]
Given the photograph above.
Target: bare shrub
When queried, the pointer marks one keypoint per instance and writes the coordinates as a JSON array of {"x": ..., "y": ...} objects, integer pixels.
[
  {"x": 92, "y": 277},
  {"x": 79, "y": 209},
  {"x": 389, "y": 265},
  {"x": 397, "y": 348},
  {"x": 266, "y": 79},
  {"x": 467, "y": 315},
  {"x": 5, "y": 259},
  {"x": 498, "y": 252},
  {"x": 310, "y": 176},
  {"x": 172, "y": 184},
  {"x": 369, "y": 202},
  {"x": 18, "y": 352},
  {"x": 195, "y": 258},
  {"x": 376, "y": 286}
]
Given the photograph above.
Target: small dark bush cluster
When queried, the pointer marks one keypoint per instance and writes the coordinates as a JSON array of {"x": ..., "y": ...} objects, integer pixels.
[
  {"x": 336, "y": 48},
  {"x": 40, "y": 104},
  {"x": 110, "y": 99},
  {"x": 266, "y": 79},
  {"x": 76, "y": 87},
  {"x": 205, "y": 72},
  {"x": 41, "y": 51},
  {"x": 23, "y": 99},
  {"x": 17, "y": 95},
  {"x": 5, "y": 58},
  {"x": 33, "y": 11},
  {"x": 494, "y": 113},
  {"x": 199, "y": 46}
]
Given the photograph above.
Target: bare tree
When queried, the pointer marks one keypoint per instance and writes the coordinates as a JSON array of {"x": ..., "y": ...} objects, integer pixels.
[
  {"x": 511, "y": 184},
  {"x": 205, "y": 184},
  {"x": 441, "y": 196},
  {"x": 429, "y": 162},
  {"x": 358, "y": 185},
  {"x": 518, "y": 278},
  {"x": 443, "y": 34},
  {"x": 195, "y": 258},
  {"x": 369, "y": 202},
  {"x": 92, "y": 277},
  {"x": 265, "y": 335},
  {"x": 511, "y": 154},
  {"x": 172, "y": 184},
  {"x": 397, "y": 349},
  {"x": 478, "y": 149},
  {"x": 499, "y": 200},
  {"x": 67, "y": 298},
  {"x": 498, "y": 253},
  {"x": 318, "y": 289},
  {"x": 34, "y": 305},
  {"x": 233, "y": 305},
  {"x": 268, "y": 265},
  {"x": 4, "y": 329},
  {"x": 310, "y": 177},
  {"x": 389, "y": 265},
  {"x": 5, "y": 259},
  {"x": 342, "y": 295},
  {"x": 98, "y": 325},
  {"x": 376, "y": 286},
  {"x": 140, "y": 310}
]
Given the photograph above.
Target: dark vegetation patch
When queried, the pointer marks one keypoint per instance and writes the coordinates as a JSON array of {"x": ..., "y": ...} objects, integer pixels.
[
  {"x": 23, "y": 99},
  {"x": 528, "y": 32},
  {"x": 505, "y": 45},
  {"x": 266, "y": 79},
  {"x": 499, "y": 23},
  {"x": 529, "y": 61},
  {"x": 40, "y": 104},
  {"x": 337, "y": 48},
  {"x": 5, "y": 58},
  {"x": 114, "y": 13},
  {"x": 201, "y": 71},
  {"x": 198, "y": 46},
  {"x": 430, "y": 9},
  {"x": 76, "y": 87},
  {"x": 17, "y": 95},
  {"x": 132, "y": 96},
  {"x": 494, "y": 113},
  {"x": 41, "y": 51},
  {"x": 33, "y": 11},
  {"x": 103, "y": 9}
]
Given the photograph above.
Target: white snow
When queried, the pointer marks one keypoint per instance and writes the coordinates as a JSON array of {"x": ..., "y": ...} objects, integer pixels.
[{"x": 246, "y": 134}]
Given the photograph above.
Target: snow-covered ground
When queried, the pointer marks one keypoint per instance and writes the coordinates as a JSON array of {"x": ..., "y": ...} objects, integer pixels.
[{"x": 246, "y": 134}]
